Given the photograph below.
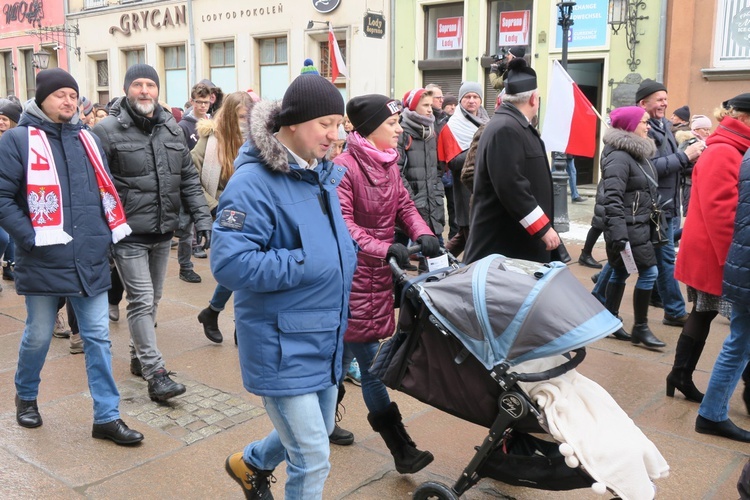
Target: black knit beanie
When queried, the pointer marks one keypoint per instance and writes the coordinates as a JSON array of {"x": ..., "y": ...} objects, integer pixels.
[
  {"x": 646, "y": 88},
  {"x": 137, "y": 71},
  {"x": 308, "y": 97},
  {"x": 683, "y": 113},
  {"x": 51, "y": 80},
  {"x": 367, "y": 112},
  {"x": 11, "y": 110}
]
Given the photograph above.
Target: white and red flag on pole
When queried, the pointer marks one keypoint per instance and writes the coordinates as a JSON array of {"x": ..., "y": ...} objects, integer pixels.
[
  {"x": 570, "y": 120},
  {"x": 338, "y": 66}
]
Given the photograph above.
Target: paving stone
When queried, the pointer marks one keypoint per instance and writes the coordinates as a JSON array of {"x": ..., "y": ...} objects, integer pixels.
[
  {"x": 213, "y": 418},
  {"x": 210, "y": 430},
  {"x": 187, "y": 419},
  {"x": 192, "y": 438},
  {"x": 198, "y": 424}
]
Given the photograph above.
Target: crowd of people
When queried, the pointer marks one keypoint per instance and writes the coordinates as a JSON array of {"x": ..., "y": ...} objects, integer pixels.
[{"x": 303, "y": 201}]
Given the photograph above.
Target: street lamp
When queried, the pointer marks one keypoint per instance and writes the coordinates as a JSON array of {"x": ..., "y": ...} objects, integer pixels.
[
  {"x": 625, "y": 13},
  {"x": 559, "y": 173},
  {"x": 311, "y": 23},
  {"x": 40, "y": 59}
]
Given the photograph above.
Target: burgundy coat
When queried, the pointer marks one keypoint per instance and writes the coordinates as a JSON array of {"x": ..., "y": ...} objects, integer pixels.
[
  {"x": 713, "y": 202},
  {"x": 373, "y": 200}
]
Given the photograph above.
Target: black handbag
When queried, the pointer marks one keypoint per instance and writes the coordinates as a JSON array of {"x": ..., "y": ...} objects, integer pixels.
[{"x": 658, "y": 218}]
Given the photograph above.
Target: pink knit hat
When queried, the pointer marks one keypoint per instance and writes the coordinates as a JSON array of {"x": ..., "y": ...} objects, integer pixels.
[{"x": 627, "y": 118}]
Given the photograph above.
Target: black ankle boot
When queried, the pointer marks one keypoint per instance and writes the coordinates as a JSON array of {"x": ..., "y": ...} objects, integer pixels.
[
  {"x": 641, "y": 333},
  {"x": 210, "y": 321},
  {"x": 612, "y": 303},
  {"x": 746, "y": 391},
  {"x": 725, "y": 428},
  {"x": 340, "y": 436},
  {"x": 27, "y": 413},
  {"x": 587, "y": 260},
  {"x": 407, "y": 457},
  {"x": 686, "y": 357}
]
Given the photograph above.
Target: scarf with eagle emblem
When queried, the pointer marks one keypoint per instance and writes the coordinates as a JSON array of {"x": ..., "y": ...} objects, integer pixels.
[{"x": 44, "y": 195}]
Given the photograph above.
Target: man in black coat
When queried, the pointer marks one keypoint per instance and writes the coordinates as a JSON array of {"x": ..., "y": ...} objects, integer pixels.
[
  {"x": 669, "y": 163},
  {"x": 512, "y": 209}
]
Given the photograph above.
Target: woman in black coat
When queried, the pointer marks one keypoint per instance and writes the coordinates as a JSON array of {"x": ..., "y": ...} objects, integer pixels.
[{"x": 627, "y": 193}]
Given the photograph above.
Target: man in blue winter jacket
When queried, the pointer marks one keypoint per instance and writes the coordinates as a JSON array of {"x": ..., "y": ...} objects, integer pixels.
[
  {"x": 281, "y": 244},
  {"x": 59, "y": 204}
]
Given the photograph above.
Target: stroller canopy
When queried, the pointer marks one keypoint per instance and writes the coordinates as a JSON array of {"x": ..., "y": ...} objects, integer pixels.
[{"x": 510, "y": 310}]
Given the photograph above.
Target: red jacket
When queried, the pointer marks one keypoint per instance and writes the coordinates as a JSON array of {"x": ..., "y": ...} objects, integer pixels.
[
  {"x": 713, "y": 202},
  {"x": 373, "y": 200}
]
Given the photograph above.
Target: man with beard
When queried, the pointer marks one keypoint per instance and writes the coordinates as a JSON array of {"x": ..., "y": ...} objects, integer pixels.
[
  {"x": 154, "y": 175},
  {"x": 513, "y": 205},
  {"x": 58, "y": 203}
]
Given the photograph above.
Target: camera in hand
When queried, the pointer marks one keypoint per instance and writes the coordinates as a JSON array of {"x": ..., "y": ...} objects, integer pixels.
[{"x": 501, "y": 58}]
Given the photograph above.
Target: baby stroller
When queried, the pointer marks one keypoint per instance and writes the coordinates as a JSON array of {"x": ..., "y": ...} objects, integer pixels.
[{"x": 460, "y": 333}]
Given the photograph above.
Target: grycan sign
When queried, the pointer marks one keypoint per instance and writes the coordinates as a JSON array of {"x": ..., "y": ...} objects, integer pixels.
[
  {"x": 450, "y": 33},
  {"x": 514, "y": 28}
]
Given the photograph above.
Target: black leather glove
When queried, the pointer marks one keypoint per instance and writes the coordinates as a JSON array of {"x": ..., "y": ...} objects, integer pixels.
[
  {"x": 430, "y": 245},
  {"x": 619, "y": 245},
  {"x": 205, "y": 237},
  {"x": 401, "y": 254}
]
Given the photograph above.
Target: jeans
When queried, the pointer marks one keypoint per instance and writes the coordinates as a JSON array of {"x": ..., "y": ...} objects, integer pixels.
[
  {"x": 646, "y": 279},
  {"x": 220, "y": 298},
  {"x": 142, "y": 268},
  {"x": 570, "y": 167},
  {"x": 91, "y": 312},
  {"x": 302, "y": 425},
  {"x": 185, "y": 244},
  {"x": 373, "y": 390},
  {"x": 734, "y": 355},
  {"x": 669, "y": 289},
  {"x": 600, "y": 288}
]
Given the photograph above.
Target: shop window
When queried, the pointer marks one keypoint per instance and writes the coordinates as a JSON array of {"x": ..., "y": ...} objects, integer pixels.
[
  {"x": 274, "y": 67},
  {"x": 8, "y": 68},
  {"x": 132, "y": 57},
  {"x": 102, "y": 81},
  {"x": 223, "y": 72},
  {"x": 444, "y": 31},
  {"x": 325, "y": 64},
  {"x": 732, "y": 40},
  {"x": 29, "y": 76},
  {"x": 516, "y": 29},
  {"x": 175, "y": 69}
]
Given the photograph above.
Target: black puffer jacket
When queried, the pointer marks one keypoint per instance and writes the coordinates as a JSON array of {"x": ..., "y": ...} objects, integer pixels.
[
  {"x": 669, "y": 163},
  {"x": 417, "y": 151},
  {"x": 154, "y": 173},
  {"x": 737, "y": 266},
  {"x": 625, "y": 195}
]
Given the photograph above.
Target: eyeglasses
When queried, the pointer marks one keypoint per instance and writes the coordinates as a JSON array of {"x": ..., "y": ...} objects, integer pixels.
[{"x": 201, "y": 103}]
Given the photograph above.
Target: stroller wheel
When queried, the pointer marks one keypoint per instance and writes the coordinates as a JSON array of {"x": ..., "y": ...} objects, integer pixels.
[{"x": 434, "y": 490}]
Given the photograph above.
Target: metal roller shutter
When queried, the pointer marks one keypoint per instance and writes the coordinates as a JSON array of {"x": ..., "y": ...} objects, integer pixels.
[
  {"x": 490, "y": 93},
  {"x": 448, "y": 80}
]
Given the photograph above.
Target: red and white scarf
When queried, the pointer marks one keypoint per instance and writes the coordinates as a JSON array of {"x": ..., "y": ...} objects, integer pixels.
[{"x": 44, "y": 195}]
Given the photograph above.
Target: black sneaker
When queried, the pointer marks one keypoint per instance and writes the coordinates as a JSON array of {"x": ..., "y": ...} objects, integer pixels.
[
  {"x": 255, "y": 483},
  {"x": 340, "y": 436},
  {"x": 135, "y": 367},
  {"x": 162, "y": 388},
  {"x": 190, "y": 276}
]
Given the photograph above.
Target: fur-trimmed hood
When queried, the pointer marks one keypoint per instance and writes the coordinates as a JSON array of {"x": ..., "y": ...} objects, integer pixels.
[
  {"x": 262, "y": 127},
  {"x": 205, "y": 127},
  {"x": 638, "y": 147}
]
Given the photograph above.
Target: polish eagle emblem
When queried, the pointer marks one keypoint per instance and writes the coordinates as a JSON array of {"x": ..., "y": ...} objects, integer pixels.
[
  {"x": 42, "y": 205},
  {"x": 109, "y": 203}
]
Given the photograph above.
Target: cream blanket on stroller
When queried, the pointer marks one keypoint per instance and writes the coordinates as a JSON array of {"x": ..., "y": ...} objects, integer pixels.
[{"x": 595, "y": 431}]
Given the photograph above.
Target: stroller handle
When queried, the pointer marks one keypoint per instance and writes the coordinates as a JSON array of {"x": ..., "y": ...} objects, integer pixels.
[
  {"x": 580, "y": 355},
  {"x": 398, "y": 273}
]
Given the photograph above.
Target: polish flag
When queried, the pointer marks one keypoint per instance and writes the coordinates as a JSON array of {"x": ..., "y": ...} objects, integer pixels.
[
  {"x": 334, "y": 55},
  {"x": 570, "y": 120}
]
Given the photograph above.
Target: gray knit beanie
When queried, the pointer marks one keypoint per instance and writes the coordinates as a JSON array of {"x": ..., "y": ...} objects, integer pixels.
[{"x": 137, "y": 71}]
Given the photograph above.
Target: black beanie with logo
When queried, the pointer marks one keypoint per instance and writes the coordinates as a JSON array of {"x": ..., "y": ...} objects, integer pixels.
[{"x": 367, "y": 112}]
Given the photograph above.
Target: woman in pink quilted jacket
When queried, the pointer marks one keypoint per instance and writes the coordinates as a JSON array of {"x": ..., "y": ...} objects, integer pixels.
[{"x": 373, "y": 201}]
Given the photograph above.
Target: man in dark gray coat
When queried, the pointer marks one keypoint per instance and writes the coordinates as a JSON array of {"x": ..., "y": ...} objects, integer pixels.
[
  {"x": 50, "y": 203},
  {"x": 669, "y": 163},
  {"x": 154, "y": 175}
]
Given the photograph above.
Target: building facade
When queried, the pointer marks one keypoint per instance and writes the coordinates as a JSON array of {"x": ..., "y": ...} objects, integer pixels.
[
  {"x": 708, "y": 47},
  {"x": 236, "y": 44},
  {"x": 27, "y": 27},
  {"x": 456, "y": 41}
]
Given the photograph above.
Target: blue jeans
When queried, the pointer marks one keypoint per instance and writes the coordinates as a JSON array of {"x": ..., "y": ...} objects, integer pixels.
[
  {"x": 733, "y": 357},
  {"x": 373, "y": 390},
  {"x": 570, "y": 167},
  {"x": 93, "y": 322},
  {"x": 302, "y": 425},
  {"x": 600, "y": 289},
  {"x": 646, "y": 279},
  {"x": 142, "y": 268},
  {"x": 220, "y": 298},
  {"x": 669, "y": 289}
]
